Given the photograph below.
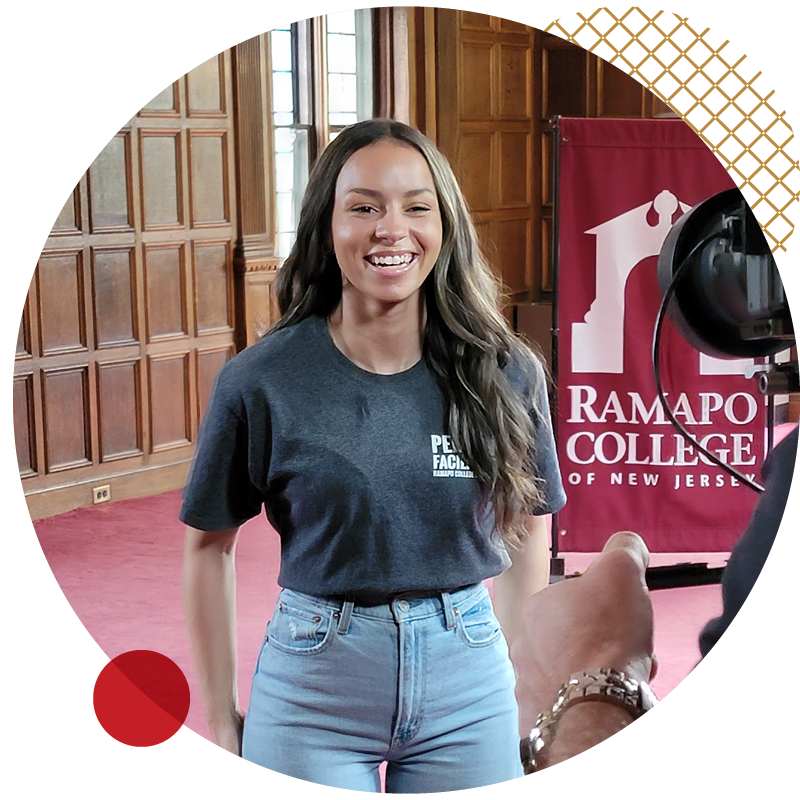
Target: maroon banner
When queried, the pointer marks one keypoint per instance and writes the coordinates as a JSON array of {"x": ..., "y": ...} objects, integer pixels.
[{"x": 622, "y": 184}]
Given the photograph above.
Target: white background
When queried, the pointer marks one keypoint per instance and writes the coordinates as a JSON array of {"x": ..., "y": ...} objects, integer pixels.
[{"x": 73, "y": 73}]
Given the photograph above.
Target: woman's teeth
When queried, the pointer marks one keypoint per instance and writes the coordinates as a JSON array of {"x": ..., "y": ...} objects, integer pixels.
[{"x": 391, "y": 261}]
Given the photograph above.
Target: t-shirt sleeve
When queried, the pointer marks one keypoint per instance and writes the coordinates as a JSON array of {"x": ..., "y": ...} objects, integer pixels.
[
  {"x": 544, "y": 457},
  {"x": 219, "y": 492}
]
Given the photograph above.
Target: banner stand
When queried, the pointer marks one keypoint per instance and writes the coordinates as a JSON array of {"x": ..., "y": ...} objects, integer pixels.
[
  {"x": 661, "y": 577},
  {"x": 556, "y": 561}
]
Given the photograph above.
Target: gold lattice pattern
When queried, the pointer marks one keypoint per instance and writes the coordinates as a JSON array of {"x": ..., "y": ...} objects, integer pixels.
[{"x": 714, "y": 91}]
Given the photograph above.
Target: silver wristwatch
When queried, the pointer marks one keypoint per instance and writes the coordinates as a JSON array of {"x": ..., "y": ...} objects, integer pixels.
[{"x": 607, "y": 685}]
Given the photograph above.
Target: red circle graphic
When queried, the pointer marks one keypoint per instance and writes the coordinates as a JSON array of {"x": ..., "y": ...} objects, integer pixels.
[{"x": 141, "y": 698}]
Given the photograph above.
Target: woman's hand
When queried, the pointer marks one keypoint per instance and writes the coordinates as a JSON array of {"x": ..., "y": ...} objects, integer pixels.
[{"x": 228, "y": 736}]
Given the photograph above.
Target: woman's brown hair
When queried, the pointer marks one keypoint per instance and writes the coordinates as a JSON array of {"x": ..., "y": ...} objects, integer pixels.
[{"x": 467, "y": 342}]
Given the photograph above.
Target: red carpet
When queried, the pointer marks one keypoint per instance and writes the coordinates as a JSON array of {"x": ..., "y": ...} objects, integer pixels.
[{"x": 119, "y": 566}]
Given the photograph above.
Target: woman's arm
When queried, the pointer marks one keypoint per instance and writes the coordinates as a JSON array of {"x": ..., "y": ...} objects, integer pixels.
[
  {"x": 529, "y": 572},
  {"x": 209, "y": 603}
]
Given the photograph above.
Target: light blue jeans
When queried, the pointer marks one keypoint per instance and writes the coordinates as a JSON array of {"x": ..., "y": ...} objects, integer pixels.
[{"x": 425, "y": 685}]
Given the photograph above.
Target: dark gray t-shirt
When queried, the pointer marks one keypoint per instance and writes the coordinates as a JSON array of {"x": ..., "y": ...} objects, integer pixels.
[{"x": 354, "y": 469}]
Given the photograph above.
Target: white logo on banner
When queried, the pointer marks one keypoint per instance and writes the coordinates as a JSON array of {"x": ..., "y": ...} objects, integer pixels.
[{"x": 622, "y": 242}]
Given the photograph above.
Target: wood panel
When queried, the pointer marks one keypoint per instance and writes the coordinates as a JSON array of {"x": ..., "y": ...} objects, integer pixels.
[
  {"x": 204, "y": 88},
  {"x": 618, "y": 94},
  {"x": 118, "y": 405},
  {"x": 131, "y": 306},
  {"x": 68, "y": 220},
  {"x": 210, "y": 197},
  {"x": 24, "y": 429},
  {"x": 165, "y": 104},
  {"x": 209, "y": 363},
  {"x": 165, "y": 289},
  {"x": 110, "y": 186},
  {"x": 485, "y": 126},
  {"x": 497, "y": 84},
  {"x": 66, "y": 424},
  {"x": 169, "y": 412},
  {"x": 23, "y": 347},
  {"x": 59, "y": 280},
  {"x": 114, "y": 300},
  {"x": 212, "y": 280},
  {"x": 474, "y": 169},
  {"x": 161, "y": 179}
]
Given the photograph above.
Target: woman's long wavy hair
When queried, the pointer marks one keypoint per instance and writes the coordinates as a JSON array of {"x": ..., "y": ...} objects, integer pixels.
[{"x": 467, "y": 341}]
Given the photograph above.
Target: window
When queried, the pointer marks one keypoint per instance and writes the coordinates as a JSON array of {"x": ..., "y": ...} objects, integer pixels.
[{"x": 321, "y": 82}]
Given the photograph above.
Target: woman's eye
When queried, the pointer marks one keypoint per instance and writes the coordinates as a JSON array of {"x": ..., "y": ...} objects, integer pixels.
[
  {"x": 418, "y": 209},
  {"x": 363, "y": 209}
]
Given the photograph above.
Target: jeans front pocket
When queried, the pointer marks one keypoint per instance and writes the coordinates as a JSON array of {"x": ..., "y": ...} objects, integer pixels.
[
  {"x": 300, "y": 627},
  {"x": 477, "y": 624}
]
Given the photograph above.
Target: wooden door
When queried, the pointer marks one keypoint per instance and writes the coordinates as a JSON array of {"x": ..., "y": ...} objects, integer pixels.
[{"x": 130, "y": 312}]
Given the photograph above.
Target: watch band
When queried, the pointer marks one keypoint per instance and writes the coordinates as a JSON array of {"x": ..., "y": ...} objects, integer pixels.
[{"x": 605, "y": 685}]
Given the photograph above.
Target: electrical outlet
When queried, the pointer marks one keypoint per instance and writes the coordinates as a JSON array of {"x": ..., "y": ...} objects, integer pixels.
[{"x": 101, "y": 494}]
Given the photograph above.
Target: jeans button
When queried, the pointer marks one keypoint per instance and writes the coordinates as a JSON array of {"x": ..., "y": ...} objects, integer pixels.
[{"x": 403, "y": 605}]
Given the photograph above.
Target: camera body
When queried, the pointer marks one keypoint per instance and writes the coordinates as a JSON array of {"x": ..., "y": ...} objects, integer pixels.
[{"x": 728, "y": 299}]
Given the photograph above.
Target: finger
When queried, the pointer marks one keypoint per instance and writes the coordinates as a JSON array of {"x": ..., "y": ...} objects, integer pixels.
[
  {"x": 630, "y": 542},
  {"x": 622, "y": 562},
  {"x": 653, "y": 666}
]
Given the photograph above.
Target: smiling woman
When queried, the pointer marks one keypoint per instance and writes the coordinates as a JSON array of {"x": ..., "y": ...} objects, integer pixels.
[
  {"x": 390, "y": 352},
  {"x": 386, "y": 232}
]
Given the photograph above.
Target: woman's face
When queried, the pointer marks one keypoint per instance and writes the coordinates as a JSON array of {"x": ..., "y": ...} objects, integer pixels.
[{"x": 386, "y": 226}]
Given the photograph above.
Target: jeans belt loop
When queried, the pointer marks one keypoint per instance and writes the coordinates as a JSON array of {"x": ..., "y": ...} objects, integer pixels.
[
  {"x": 449, "y": 612},
  {"x": 344, "y": 617}
]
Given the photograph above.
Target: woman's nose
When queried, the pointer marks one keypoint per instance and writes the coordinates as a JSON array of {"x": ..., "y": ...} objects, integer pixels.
[{"x": 392, "y": 226}]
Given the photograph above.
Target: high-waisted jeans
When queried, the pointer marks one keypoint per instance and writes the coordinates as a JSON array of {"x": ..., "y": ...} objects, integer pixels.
[{"x": 425, "y": 685}]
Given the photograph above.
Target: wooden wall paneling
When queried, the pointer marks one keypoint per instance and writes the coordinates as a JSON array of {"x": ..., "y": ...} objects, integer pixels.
[
  {"x": 208, "y": 364},
  {"x": 213, "y": 287},
  {"x": 474, "y": 166},
  {"x": 514, "y": 96},
  {"x": 23, "y": 348},
  {"x": 472, "y": 21},
  {"x": 515, "y": 239},
  {"x": 422, "y": 65},
  {"x": 69, "y": 218},
  {"x": 565, "y": 78},
  {"x": 255, "y": 149},
  {"x": 169, "y": 400},
  {"x": 486, "y": 125},
  {"x": 477, "y": 82},
  {"x": 618, "y": 94},
  {"x": 205, "y": 89},
  {"x": 24, "y": 427},
  {"x": 255, "y": 262},
  {"x": 136, "y": 279},
  {"x": 256, "y": 301},
  {"x": 166, "y": 310},
  {"x": 61, "y": 303},
  {"x": 209, "y": 173},
  {"x": 119, "y": 410},
  {"x": 110, "y": 186},
  {"x": 393, "y": 62},
  {"x": 161, "y": 179},
  {"x": 66, "y": 418},
  {"x": 515, "y": 174},
  {"x": 509, "y": 26},
  {"x": 114, "y": 299},
  {"x": 165, "y": 104}
]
